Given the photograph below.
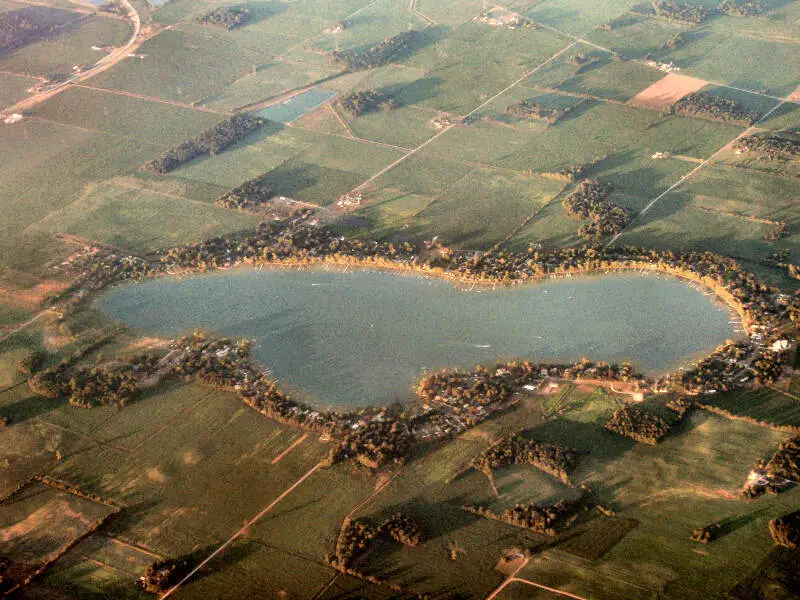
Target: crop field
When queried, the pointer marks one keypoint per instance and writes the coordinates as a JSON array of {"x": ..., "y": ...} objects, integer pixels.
[
  {"x": 725, "y": 210},
  {"x": 483, "y": 207},
  {"x": 766, "y": 406},
  {"x": 739, "y": 61},
  {"x": 141, "y": 221},
  {"x": 172, "y": 69},
  {"x": 38, "y": 521},
  {"x": 71, "y": 47},
  {"x": 635, "y": 36},
  {"x": 13, "y": 88},
  {"x": 98, "y": 567},
  {"x": 268, "y": 81},
  {"x": 126, "y": 116}
]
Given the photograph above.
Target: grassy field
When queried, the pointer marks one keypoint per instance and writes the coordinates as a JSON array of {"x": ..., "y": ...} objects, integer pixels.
[
  {"x": 40, "y": 520},
  {"x": 174, "y": 70},
  {"x": 688, "y": 480},
  {"x": 125, "y": 116},
  {"x": 142, "y": 221},
  {"x": 483, "y": 207},
  {"x": 711, "y": 211},
  {"x": 72, "y": 46},
  {"x": 13, "y": 88}
]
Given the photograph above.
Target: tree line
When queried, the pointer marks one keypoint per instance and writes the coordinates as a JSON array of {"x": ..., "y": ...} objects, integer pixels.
[
  {"x": 210, "y": 142},
  {"x": 253, "y": 194},
  {"x": 377, "y": 55},
  {"x": 546, "y": 520},
  {"x": 638, "y": 424},
  {"x": 713, "y": 108},
  {"x": 785, "y": 530},
  {"x": 356, "y": 536},
  {"x": 772, "y": 146},
  {"x": 682, "y": 12},
  {"x": 552, "y": 459},
  {"x": 17, "y": 29},
  {"x": 530, "y": 109},
  {"x": 162, "y": 575},
  {"x": 227, "y": 17}
]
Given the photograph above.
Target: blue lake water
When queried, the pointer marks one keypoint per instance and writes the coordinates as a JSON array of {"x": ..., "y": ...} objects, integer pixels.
[
  {"x": 296, "y": 106},
  {"x": 363, "y": 337}
]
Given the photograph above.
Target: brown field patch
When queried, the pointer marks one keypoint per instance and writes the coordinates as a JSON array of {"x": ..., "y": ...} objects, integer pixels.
[
  {"x": 795, "y": 95},
  {"x": 667, "y": 91},
  {"x": 39, "y": 522}
]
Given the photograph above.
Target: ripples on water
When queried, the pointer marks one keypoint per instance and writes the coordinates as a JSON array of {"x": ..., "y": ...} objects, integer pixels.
[{"x": 363, "y": 337}]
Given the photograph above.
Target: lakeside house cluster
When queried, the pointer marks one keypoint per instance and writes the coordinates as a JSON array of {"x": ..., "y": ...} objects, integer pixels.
[{"x": 451, "y": 401}]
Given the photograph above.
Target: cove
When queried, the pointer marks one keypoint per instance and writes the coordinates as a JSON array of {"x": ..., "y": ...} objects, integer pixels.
[{"x": 364, "y": 337}]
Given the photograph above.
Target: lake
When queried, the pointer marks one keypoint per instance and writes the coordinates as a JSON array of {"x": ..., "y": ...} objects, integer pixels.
[{"x": 365, "y": 336}]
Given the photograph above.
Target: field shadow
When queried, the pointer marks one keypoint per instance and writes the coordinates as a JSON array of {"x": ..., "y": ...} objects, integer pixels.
[
  {"x": 261, "y": 11},
  {"x": 30, "y": 407},
  {"x": 414, "y": 92},
  {"x": 731, "y": 524}
]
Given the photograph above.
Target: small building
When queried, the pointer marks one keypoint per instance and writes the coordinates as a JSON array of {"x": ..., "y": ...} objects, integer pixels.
[
  {"x": 13, "y": 118},
  {"x": 780, "y": 346}
]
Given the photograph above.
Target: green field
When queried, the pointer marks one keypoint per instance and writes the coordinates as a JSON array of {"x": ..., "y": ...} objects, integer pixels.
[
  {"x": 190, "y": 466},
  {"x": 72, "y": 46},
  {"x": 13, "y": 88},
  {"x": 712, "y": 210}
]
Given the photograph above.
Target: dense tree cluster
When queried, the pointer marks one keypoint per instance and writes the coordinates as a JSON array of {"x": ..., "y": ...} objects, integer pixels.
[
  {"x": 681, "y": 407},
  {"x": 251, "y": 195},
  {"x": 589, "y": 202},
  {"x": 6, "y": 580},
  {"x": 377, "y": 55},
  {"x": 356, "y": 537},
  {"x": 31, "y": 362},
  {"x": 17, "y": 29},
  {"x": 358, "y": 103},
  {"x": 772, "y": 146},
  {"x": 741, "y": 8},
  {"x": 714, "y": 108},
  {"x": 682, "y": 12},
  {"x": 374, "y": 443},
  {"x": 529, "y": 109},
  {"x": 785, "y": 530},
  {"x": 780, "y": 473},
  {"x": 706, "y": 534},
  {"x": 211, "y": 142},
  {"x": 638, "y": 424},
  {"x": 228, "y": 17},
  {"x": 164, "y": 574},
  {"x": 515, "y": 450},
  {"x": 785, "y": 463},
  {"x": 768, "y": 365},
  {"x": 86, "y": 387},
  {"x": 547, "y": 520}
]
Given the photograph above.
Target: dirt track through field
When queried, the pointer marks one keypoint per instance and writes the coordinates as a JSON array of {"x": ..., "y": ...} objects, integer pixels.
[{"x": 243, "y": 530}]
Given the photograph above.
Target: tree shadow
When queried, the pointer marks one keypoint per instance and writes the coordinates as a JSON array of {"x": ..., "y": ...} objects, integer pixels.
[
  {"x": 30, "y": 407},
  {"x": 414, "y": 92},
  {"x": 261, "y": 11}
]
